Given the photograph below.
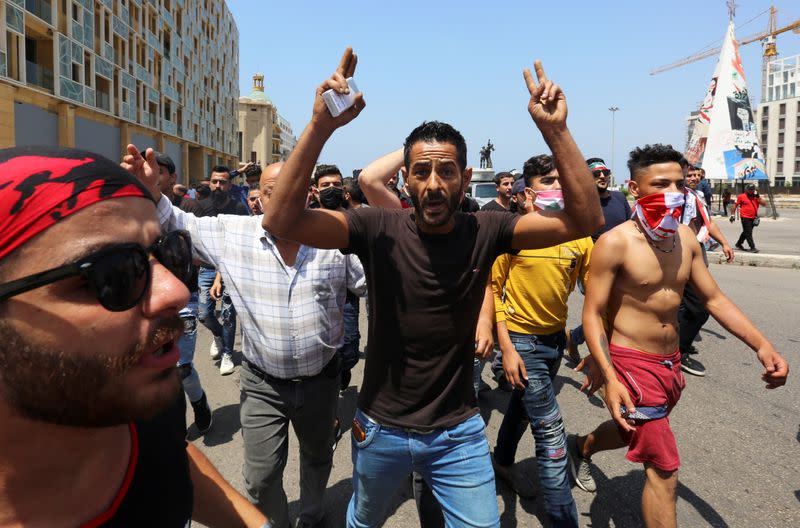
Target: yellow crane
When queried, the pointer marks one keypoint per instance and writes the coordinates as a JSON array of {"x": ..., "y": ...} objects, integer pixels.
[{"x": 767, "y": 39}]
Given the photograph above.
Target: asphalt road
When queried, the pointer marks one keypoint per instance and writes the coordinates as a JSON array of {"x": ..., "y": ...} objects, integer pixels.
[
  {"x": 738, "y": 442},
  {"x": 771, "y": 236}
]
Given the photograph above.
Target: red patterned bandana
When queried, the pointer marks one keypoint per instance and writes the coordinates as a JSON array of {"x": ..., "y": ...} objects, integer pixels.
[
  {"x": 41, "y": 185},
  {"x": 660, "y": 214}
]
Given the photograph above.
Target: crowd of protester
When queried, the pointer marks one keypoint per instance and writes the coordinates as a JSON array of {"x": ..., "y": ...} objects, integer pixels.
[{"x": 93, "y": 328}]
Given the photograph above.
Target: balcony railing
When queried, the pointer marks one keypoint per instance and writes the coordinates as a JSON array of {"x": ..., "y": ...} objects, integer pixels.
[
  {"x": 39, "y": 75},
  {"x": 40, "y": 8}
]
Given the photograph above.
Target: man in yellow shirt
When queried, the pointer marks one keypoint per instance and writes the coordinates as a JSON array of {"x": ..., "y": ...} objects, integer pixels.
[{"x": 531, "y": 290}]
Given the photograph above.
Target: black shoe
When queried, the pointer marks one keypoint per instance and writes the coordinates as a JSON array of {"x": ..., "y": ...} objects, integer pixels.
[
  {"x": 690, "y": 350},
  {"x": 739, "y": 247},
  {"x": 754, "y": 250},
  {"x": 202, "y": 414},
  {"x": 691, "y": 365},
  {"x": 345, "y": 380}
]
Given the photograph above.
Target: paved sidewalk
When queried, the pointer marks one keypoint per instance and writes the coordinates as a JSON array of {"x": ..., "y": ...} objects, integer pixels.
[{"x": 778, "y": 241}]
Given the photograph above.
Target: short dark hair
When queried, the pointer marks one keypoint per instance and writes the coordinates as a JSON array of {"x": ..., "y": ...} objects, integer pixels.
[
  {"x": 326, "y": 170},
  {"x": 642, "y": 157},
  {"x": 595, "y": 160},
  {"x": 430, "y": 131},
  {"x": 696, "y": 167},
  {"x": 221, "y": 168},
  {"x": 202, "y": 191},
  {"x": 537, "y": 166},
  {"x": 352, "y": 188},
  {"x": 502, "y": 175}
]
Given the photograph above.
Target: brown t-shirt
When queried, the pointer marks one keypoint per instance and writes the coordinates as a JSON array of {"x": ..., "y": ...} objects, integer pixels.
[{"x": 425, "y": 294}]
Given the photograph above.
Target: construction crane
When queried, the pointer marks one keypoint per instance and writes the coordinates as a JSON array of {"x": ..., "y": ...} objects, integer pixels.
[{"x": 768, "y": 43}]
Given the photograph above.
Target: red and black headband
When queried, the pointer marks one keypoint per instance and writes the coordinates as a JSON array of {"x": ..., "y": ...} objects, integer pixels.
[{"x": 40, "y": 186}]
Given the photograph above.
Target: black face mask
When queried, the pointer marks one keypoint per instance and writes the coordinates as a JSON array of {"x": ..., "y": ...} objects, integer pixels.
[{"x": 331, "y": 197}]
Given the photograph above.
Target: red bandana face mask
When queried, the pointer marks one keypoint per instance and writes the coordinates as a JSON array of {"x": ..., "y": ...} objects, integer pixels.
[{"x": 660, "y": 214}]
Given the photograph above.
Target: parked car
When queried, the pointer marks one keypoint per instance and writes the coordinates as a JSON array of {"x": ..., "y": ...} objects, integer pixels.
[{"x": 482, "y": 192}]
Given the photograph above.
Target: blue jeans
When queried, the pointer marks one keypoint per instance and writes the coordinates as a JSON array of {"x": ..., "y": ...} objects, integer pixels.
[
  {"x": 352, "y": 337},
  {"x": 208, "y": 316},
  {"x": 454, "y": 461},
  {"x": 537, "y": 405},
  {"x": 576, "y": 334},
  {"x": 189, "y": 377}
]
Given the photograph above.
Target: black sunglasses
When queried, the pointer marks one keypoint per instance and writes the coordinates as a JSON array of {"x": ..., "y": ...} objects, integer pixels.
[
  {"x": 118, "y": 276},
  {"x": 604, "y": 172}
]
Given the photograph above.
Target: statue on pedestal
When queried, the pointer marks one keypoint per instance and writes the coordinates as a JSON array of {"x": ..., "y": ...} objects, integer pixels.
[{"x": 486, "y": 155}]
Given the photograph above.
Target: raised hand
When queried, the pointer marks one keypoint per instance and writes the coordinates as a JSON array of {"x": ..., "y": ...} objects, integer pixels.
[
  {"x": 144, "y": 168},
  {"x": 321, "y": 116},
  {"x": 547, "y": 105}
]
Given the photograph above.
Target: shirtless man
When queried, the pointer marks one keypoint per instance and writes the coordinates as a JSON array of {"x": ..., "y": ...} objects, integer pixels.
[{"x": 638, "y": 274}]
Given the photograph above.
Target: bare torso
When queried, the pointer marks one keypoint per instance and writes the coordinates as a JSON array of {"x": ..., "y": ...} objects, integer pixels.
[{"x": 643, "y": 304}]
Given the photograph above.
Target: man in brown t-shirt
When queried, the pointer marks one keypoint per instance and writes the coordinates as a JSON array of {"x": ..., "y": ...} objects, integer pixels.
[{"x": 426, "y": 271}]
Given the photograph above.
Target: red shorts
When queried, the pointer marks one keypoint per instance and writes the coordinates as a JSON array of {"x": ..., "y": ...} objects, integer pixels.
[{"x": 652, "y": 381}]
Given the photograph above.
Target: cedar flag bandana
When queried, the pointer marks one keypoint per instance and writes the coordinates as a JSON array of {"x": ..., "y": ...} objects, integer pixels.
[
  {"x": 660, "y": 214},
  {"x": 40, "y": 186},
  {"x": 597, "y": 166}
]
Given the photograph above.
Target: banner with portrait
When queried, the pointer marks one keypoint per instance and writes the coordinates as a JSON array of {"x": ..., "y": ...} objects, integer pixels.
[{"x": 724, "y": 140}]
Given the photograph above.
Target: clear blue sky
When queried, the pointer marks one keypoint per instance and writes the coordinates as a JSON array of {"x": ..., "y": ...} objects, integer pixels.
[{"x": 462, "y": 61}]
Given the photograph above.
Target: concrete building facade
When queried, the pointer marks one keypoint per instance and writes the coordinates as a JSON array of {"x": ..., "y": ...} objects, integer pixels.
[
  {"x": 99, "y": 74},
  {"x": 264, "y": 136},
  {"x": 778, "y": 121}
]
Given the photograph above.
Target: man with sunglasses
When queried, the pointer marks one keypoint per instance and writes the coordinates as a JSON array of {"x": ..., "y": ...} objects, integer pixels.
[
  {"x": 220, "y": 202},
  {"x": 93, "y": 420},
  {"x": 616, "y": 211},
  {"x": 290, "y": 299}
]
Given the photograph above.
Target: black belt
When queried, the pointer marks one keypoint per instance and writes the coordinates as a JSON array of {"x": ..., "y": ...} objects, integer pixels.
[{"x": 330, "y": 370}]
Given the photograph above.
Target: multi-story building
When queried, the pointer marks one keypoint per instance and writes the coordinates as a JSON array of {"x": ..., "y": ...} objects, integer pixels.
[
  {"x": 99, "y": 74},
  {"x": 779, "y": 122},
  {"x": 264, "y": 136}
]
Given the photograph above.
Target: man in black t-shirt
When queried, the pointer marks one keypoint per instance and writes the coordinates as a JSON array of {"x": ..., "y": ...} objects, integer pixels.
[
  {"x": 503, "y": 182},
  {"x": 220, "y": 202},
  {"x": 94, "y": 429},
  {"x": 427, "y": 271}
]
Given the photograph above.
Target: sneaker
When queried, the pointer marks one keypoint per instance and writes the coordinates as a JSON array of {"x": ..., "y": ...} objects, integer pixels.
[
  {"x": 337, "y": 434},
  {"x": 226, "y": 365},
  {"x": 345, "y": 380},
  {"x": 691, "y": 365},
  {"x": 579, "y": 467},
  {"x": 572, "y": 349},
  {"x": 216, "y": 346},
  {"x": 519, "y": 481},
  {"x": 739, "y": 247},
  {"x": 202, "y": 414},
  {"x": 755, "y": 250}
]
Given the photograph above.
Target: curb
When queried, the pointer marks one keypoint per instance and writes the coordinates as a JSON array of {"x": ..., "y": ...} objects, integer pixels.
[{"x": 761, "y": 260}]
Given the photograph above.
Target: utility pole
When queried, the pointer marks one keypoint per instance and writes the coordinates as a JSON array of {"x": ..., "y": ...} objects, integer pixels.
[{"x": 613, "y": 111}]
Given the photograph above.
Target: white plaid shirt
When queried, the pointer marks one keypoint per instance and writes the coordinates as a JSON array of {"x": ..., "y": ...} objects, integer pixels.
[{"x": 291, "y": 316}]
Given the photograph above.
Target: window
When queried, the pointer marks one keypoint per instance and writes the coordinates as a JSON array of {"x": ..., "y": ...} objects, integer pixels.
[
  {"x": 782, "y": 109},
  {"x": 76, "y": 72},
  {"x": 779, "y": 167},
  {"x": 75, "y": 13},
  {"x": 781, "y": 123},
  {"x": 253, "y": 157},
  {"x": 780, "y": 152},
  {"x": 780, "y": 138}
]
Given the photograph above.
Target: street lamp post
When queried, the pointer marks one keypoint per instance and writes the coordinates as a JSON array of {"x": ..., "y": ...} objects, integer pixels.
[{"x": 613, "y": 111}]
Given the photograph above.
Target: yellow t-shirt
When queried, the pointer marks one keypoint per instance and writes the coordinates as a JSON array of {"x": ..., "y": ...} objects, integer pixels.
[{"x": 531, "y": 288}]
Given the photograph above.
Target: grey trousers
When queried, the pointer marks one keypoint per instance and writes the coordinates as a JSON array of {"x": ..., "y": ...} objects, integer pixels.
[{"x": 266, "y": 411}]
